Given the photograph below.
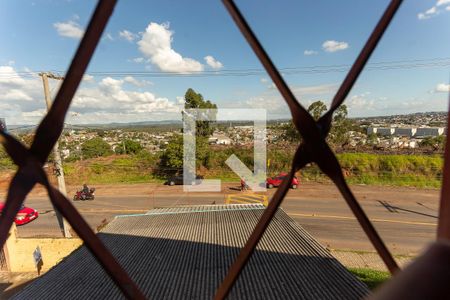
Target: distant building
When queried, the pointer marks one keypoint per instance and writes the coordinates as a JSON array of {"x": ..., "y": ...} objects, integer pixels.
[
  {"x": 219, "y": 140},
  {"x": 408, "y": 132},
  {"x": 430, "y": 131},
  {"x": 380, "y": 130}
]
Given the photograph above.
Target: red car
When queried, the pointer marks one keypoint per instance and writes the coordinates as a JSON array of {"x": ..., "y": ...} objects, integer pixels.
[
  {"x": 276, "y": 181},
  {"x": 24, "y": 216}
]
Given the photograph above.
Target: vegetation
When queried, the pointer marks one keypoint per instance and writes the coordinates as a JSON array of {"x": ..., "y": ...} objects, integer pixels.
[
  {"x": 172, "y": 158},
  {"x": 129, "y": 147},
  {"x": 95, "y": 147},
  {"x": 372, "y": 278},
  {"x": 195, "y": 100},
  {"x": 339, "y": 133}
]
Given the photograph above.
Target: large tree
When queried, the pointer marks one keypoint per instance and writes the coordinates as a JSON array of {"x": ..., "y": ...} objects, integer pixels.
[
  {"x": 128, "y": 147},
  {"x": 316, "y": 109},
  {"x": 95, "y": 147},
  {"x": 195, "y": 100}
]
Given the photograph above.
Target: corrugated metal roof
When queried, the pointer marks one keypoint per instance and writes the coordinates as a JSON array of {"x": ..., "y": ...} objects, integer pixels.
[{"x": 185, "y": 252}]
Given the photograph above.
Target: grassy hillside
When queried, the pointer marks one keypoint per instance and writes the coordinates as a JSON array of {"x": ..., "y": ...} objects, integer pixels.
[{"x": 363, "y": 168}]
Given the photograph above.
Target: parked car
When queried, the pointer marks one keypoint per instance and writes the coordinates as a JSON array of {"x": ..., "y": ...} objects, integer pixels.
[
  {"x": 276, "y": 181},
  {"x": 178, "y": 180},
  {"x": 24, "y": 216}
]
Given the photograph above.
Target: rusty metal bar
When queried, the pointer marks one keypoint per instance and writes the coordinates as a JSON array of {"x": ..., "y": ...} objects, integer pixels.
[
  {"x": 443, "y": 230},
  {"x": 94, "y": 244},
  {"x": 360, "y": 62},
  {"x": 314, "y": 147},
  {"x": 302, "y": 119},
  {"x": 244, "y": 255},
  {"x": 30, "y": 161},
  {"x": 52, "y": 125}
]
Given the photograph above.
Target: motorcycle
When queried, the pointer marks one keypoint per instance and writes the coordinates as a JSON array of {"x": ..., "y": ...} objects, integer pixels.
[
  {"x": 80, "y": 195},
  {"x": 244, "y": 186}
]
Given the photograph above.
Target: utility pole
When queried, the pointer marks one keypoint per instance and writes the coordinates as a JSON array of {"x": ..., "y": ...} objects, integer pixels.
[{"x": 58, "y": 162}]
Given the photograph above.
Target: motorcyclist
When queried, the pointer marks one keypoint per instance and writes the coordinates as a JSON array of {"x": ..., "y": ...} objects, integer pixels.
[
  {"x": 243, "y": 184},
  {"x": 85, "y": 191}
]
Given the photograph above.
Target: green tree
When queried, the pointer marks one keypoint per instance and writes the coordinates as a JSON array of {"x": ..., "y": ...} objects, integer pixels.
[
  {"x": 316, "y": 109},
  {"x": 95, "y": 147},
  {"x": 195, "y": 100},
  {"x": 290, "y": 132},
  {"x": 434, "y": 143},
  {"x": 128, "y": 147},
  {"x": 172, "y": 157},
  {"x": 339, "y": 133}
]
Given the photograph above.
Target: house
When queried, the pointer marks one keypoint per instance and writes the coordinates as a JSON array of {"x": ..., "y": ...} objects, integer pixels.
[{"x": 185, "y": 252}]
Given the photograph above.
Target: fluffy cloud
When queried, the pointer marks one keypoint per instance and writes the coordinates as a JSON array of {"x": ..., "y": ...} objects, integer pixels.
[
  {"x": 213, "y": 63},
  {"x": 434, "y": 10},
  {"x": 276, "y": 107},
  {"x": 109, "y": 100},
  {"x": 135, "y": 82},
  {"x": 442, "y": 2},
  {"x": 309, "y": 52},
  {"x": 138, "y": 60},
  {"x": 333, "y": 46},
  {"x": 156, "y": 44},
  {"x": 127, "y": 35},
  {"x": 442, "y": 88},
  {"x": 70, "y": 29}
]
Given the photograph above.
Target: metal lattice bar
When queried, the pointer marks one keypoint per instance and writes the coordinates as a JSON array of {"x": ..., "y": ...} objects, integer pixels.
[
  {"x": 443, "y": 231},
  {"x": 30, "y": 161},
  {"x": 314, "y": 148}
]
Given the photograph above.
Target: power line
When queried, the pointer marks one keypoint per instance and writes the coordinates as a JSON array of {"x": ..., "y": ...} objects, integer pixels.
[{"x": 317, "y": 69}]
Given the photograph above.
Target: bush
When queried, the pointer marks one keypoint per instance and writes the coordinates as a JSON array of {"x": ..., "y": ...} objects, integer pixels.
[{"x": 95, "y": 147}]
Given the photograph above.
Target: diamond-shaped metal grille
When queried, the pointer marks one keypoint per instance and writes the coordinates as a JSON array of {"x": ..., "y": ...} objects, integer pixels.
[{"x": 313, "y": 149}]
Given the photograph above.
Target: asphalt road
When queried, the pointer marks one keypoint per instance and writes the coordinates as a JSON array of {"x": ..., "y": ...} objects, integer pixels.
[{"x": 405, "y": 217}]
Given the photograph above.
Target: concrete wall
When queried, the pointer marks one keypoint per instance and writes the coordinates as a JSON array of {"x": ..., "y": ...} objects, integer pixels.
[
  {"x": 19, "y": 251},
  {"x": 430, "y": 131},
  {"x": 409, "y": 132}
]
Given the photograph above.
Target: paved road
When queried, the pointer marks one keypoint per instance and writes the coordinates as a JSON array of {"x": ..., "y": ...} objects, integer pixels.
[{"x": 405, "y": 217}]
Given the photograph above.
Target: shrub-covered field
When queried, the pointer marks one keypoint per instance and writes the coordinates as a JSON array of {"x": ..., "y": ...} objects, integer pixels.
[{"x": 361, "y": 168}]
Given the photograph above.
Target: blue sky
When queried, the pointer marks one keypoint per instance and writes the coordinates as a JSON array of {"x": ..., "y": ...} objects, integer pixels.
[{"x": 150, "y": 43}]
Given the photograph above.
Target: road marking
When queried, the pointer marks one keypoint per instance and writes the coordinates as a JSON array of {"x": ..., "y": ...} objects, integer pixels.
[
  {"x": 353, "y": 218},
  {"x": 246, "y": 198}
]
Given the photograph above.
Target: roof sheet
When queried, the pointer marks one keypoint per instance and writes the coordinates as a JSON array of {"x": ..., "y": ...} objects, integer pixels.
[{"x": 184, "y": 253}]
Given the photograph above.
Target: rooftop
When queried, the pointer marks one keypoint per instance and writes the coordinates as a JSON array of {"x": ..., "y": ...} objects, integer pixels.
[{"x": 184, "y": 253}]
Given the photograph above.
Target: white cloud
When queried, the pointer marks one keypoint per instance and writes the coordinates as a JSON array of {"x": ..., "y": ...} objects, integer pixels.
[
  {"x": 87, "y": 77},
  {"x": 431, "y": 11},
  {"x": 442, "y": 2},
  {"x": 70, "y": 29},
  {"x": 434, "y": 10},
  {"x": 442, "y": 88},
  {"x": 309, "y": 52},
  {"x": 156, "y": 44},
  {"x": 39, "y": 113},
  {"x": 360, "y": 102},
  {"x": 333, "y": 46},
  {"x": 127, "y": 35},
  {"x": 15, "y": 94},
  {"x": 109, "y": 100},
  {"x": 213, "y": 63},
  {"x": 138, "y": 60},
  {"x": 109, "y": 37},
  {"x": 135, "y": 82}
]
